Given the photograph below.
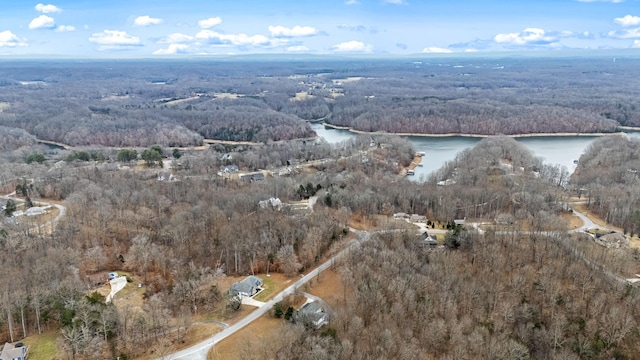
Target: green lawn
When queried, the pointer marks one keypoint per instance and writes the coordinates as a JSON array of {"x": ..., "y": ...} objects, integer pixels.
[
  {"x": 42, "y": 347},
  {"x": 269, "y": 289}
]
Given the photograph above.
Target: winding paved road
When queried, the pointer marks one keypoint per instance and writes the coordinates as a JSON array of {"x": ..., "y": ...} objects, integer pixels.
[
  {"x": 61, "y": 210},
  {"x": 200, "y": 350}
]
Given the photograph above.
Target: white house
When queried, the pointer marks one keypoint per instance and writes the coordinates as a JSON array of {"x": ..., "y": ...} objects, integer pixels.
[{"x": 33, "y": 211}]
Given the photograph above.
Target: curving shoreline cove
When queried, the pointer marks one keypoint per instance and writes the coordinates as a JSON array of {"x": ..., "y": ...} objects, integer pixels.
[{"x": 566, "y": 134}]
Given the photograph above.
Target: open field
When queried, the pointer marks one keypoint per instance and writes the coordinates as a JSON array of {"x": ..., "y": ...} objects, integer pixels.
[
  {"x": 43, "y": 346},
  {"x": 572, "y": 221},
  {"x": 273, "y": 284}
]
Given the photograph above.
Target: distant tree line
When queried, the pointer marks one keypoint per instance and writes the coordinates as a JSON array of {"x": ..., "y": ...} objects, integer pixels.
[{"x": 269, "y": 101}]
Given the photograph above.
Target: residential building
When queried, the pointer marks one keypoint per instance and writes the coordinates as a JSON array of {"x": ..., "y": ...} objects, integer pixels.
[
  {"x": 247, "y": 287},
  {"x": 14, "y": 352},
  {"x": 313, "y": 314}
]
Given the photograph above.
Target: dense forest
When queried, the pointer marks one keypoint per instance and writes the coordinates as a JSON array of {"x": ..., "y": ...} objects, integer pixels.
[
  {"x": 144, "y": 103},
  {"x": 177, "y": 236},
  {"x": 514, "y": 283},
  {"x": 607, "y": 178},
  {"x": 181, "y": 237},
  {"x": 501, "y": 293}
]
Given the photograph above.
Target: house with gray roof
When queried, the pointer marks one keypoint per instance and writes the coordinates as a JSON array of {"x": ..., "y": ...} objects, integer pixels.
[
  {"x": 13, "y": 352},
  {"x": 428, "y": 241},
  {"x": 229, "y": 169},
  {"x": 257, "y": 176},
  {"x": 312, "y": 314},
  {"x": 247, "y": 287}
]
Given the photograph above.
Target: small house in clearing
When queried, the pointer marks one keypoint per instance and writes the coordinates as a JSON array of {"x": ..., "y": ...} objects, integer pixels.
[
  {"x": 258, "y": 176},
  {"x": 247, "y": 287},
  {"x": 400, "y": 215},
  {"x": 428, "y": 241},
  {"x": 313, "y": 314},
  {"x": 14, "y": 352},
  {"x": 166, "y": 176},
  {"x": 33, "y": 211},
  {"x": 229, "y": 169}
]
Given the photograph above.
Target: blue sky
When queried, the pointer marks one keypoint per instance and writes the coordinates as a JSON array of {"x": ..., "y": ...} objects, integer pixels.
[{"x": 159, "y": 28}]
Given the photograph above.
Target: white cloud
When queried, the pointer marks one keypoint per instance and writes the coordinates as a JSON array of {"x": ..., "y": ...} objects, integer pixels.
[
  {"x": 114, "y": 39},
  {"x": 297, "y": 48},
  {"x": 351, "y": 2},
  {"x": 216, "y": 38},
  {"x": 176, "y": 38},
  {"x": 65, "y": 28},
  {"x": 146, "y": 20},
  {"x": 625, "y": 34},
  {"x": 172, "y": 49},
  {"x": 296, "y": 31},
  {"x": 471, "y": 50},
  {"x": 9, "y": 39},
  {"x": 436, "y": 50},
  {"x": 395, "y": 2},
  {"x": 352, "y": 46},
  {"x": 627, "y": 20},
  {"x": 42, "y": 22},
  {"x": 46, "y": 9},
  {"x": 636, "y": 44},
  {"x": 210, "y": 22},
  {"x": 352, "y": 27},
  {"x": 529, "y": 36}
]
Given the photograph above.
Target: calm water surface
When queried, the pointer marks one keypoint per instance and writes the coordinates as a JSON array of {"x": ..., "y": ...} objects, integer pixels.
[{"x": 562, "y": 150}]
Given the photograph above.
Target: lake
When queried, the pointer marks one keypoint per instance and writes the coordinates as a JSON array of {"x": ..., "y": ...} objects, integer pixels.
[{"x": 562, "y": 150}]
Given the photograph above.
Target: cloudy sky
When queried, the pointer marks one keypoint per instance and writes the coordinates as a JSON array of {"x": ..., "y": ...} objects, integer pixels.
[{"x": 161, "y": 28}]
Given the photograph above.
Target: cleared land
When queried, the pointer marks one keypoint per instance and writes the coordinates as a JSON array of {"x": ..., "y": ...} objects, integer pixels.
[{"x": 265, "y": 330}]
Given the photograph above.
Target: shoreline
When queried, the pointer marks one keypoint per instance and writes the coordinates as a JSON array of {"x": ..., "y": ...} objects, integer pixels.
[{"x": 563, "y": 134}]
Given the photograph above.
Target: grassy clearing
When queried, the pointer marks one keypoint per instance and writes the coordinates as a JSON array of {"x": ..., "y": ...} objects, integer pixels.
[
  {"x": 248, "y": 340},
  {"x": 263, "y": 336},
  {"x": 273, "y": 284},
  {"x": 43, "y": 346}
]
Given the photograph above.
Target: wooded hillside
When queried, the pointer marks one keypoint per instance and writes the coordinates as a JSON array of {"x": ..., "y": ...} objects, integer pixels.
[{"x": 138, "y": 103}]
